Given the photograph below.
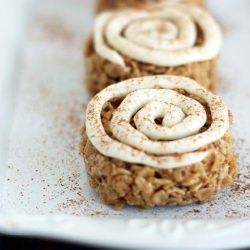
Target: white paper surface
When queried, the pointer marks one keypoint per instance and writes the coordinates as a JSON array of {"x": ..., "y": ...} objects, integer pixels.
[{"x": 45, "y": 173}]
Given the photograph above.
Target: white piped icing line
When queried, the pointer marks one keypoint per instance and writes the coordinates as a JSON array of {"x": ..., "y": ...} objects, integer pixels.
[
  {"x": 163, "y": 38},
  {"x": 177, "y": 141}
]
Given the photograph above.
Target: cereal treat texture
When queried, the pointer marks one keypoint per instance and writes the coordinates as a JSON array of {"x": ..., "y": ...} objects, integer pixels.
[
  {"x": 158, "y": 140},
  {"x": 178, "y": 40},
  {"x": 103, "y": 5}
]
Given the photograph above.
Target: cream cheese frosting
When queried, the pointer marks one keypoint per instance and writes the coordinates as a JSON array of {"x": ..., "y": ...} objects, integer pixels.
[
  {"x": 177, "y": 142},
  {"x": 163, "y": 38}
]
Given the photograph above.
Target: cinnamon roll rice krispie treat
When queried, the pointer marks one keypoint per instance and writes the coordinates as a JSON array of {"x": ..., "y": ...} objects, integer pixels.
[
  {"x": 179, "y": 40},
  {"x": 103, "y": 5},
  {"x": 158, "y": 140}
]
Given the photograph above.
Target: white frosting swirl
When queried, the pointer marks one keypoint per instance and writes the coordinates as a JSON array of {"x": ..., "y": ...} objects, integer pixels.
[
  {"x": 177, "y": 141},
  {"x": 164, "y": 38}
]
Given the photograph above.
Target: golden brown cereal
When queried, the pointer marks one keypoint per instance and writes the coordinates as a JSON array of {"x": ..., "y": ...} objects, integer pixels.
[{"x": 103, "y": 5}]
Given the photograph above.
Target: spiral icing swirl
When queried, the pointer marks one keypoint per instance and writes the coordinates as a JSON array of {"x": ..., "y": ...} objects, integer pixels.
[
  {"x": 136, "y": 136},
  {"x": 163, "y": 38}
]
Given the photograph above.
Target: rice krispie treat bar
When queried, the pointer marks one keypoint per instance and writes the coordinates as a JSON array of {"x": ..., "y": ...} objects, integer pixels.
[
  {"x": 158, "y": 140},
  {"x": 103, "y": 5},
  {"x": 179, "y": 40}
]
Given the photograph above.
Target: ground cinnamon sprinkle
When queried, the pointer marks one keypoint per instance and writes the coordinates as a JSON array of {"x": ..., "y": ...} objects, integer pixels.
[
  {"x": 196, "y": 211},
  {"x": 53, "y": 30}
]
